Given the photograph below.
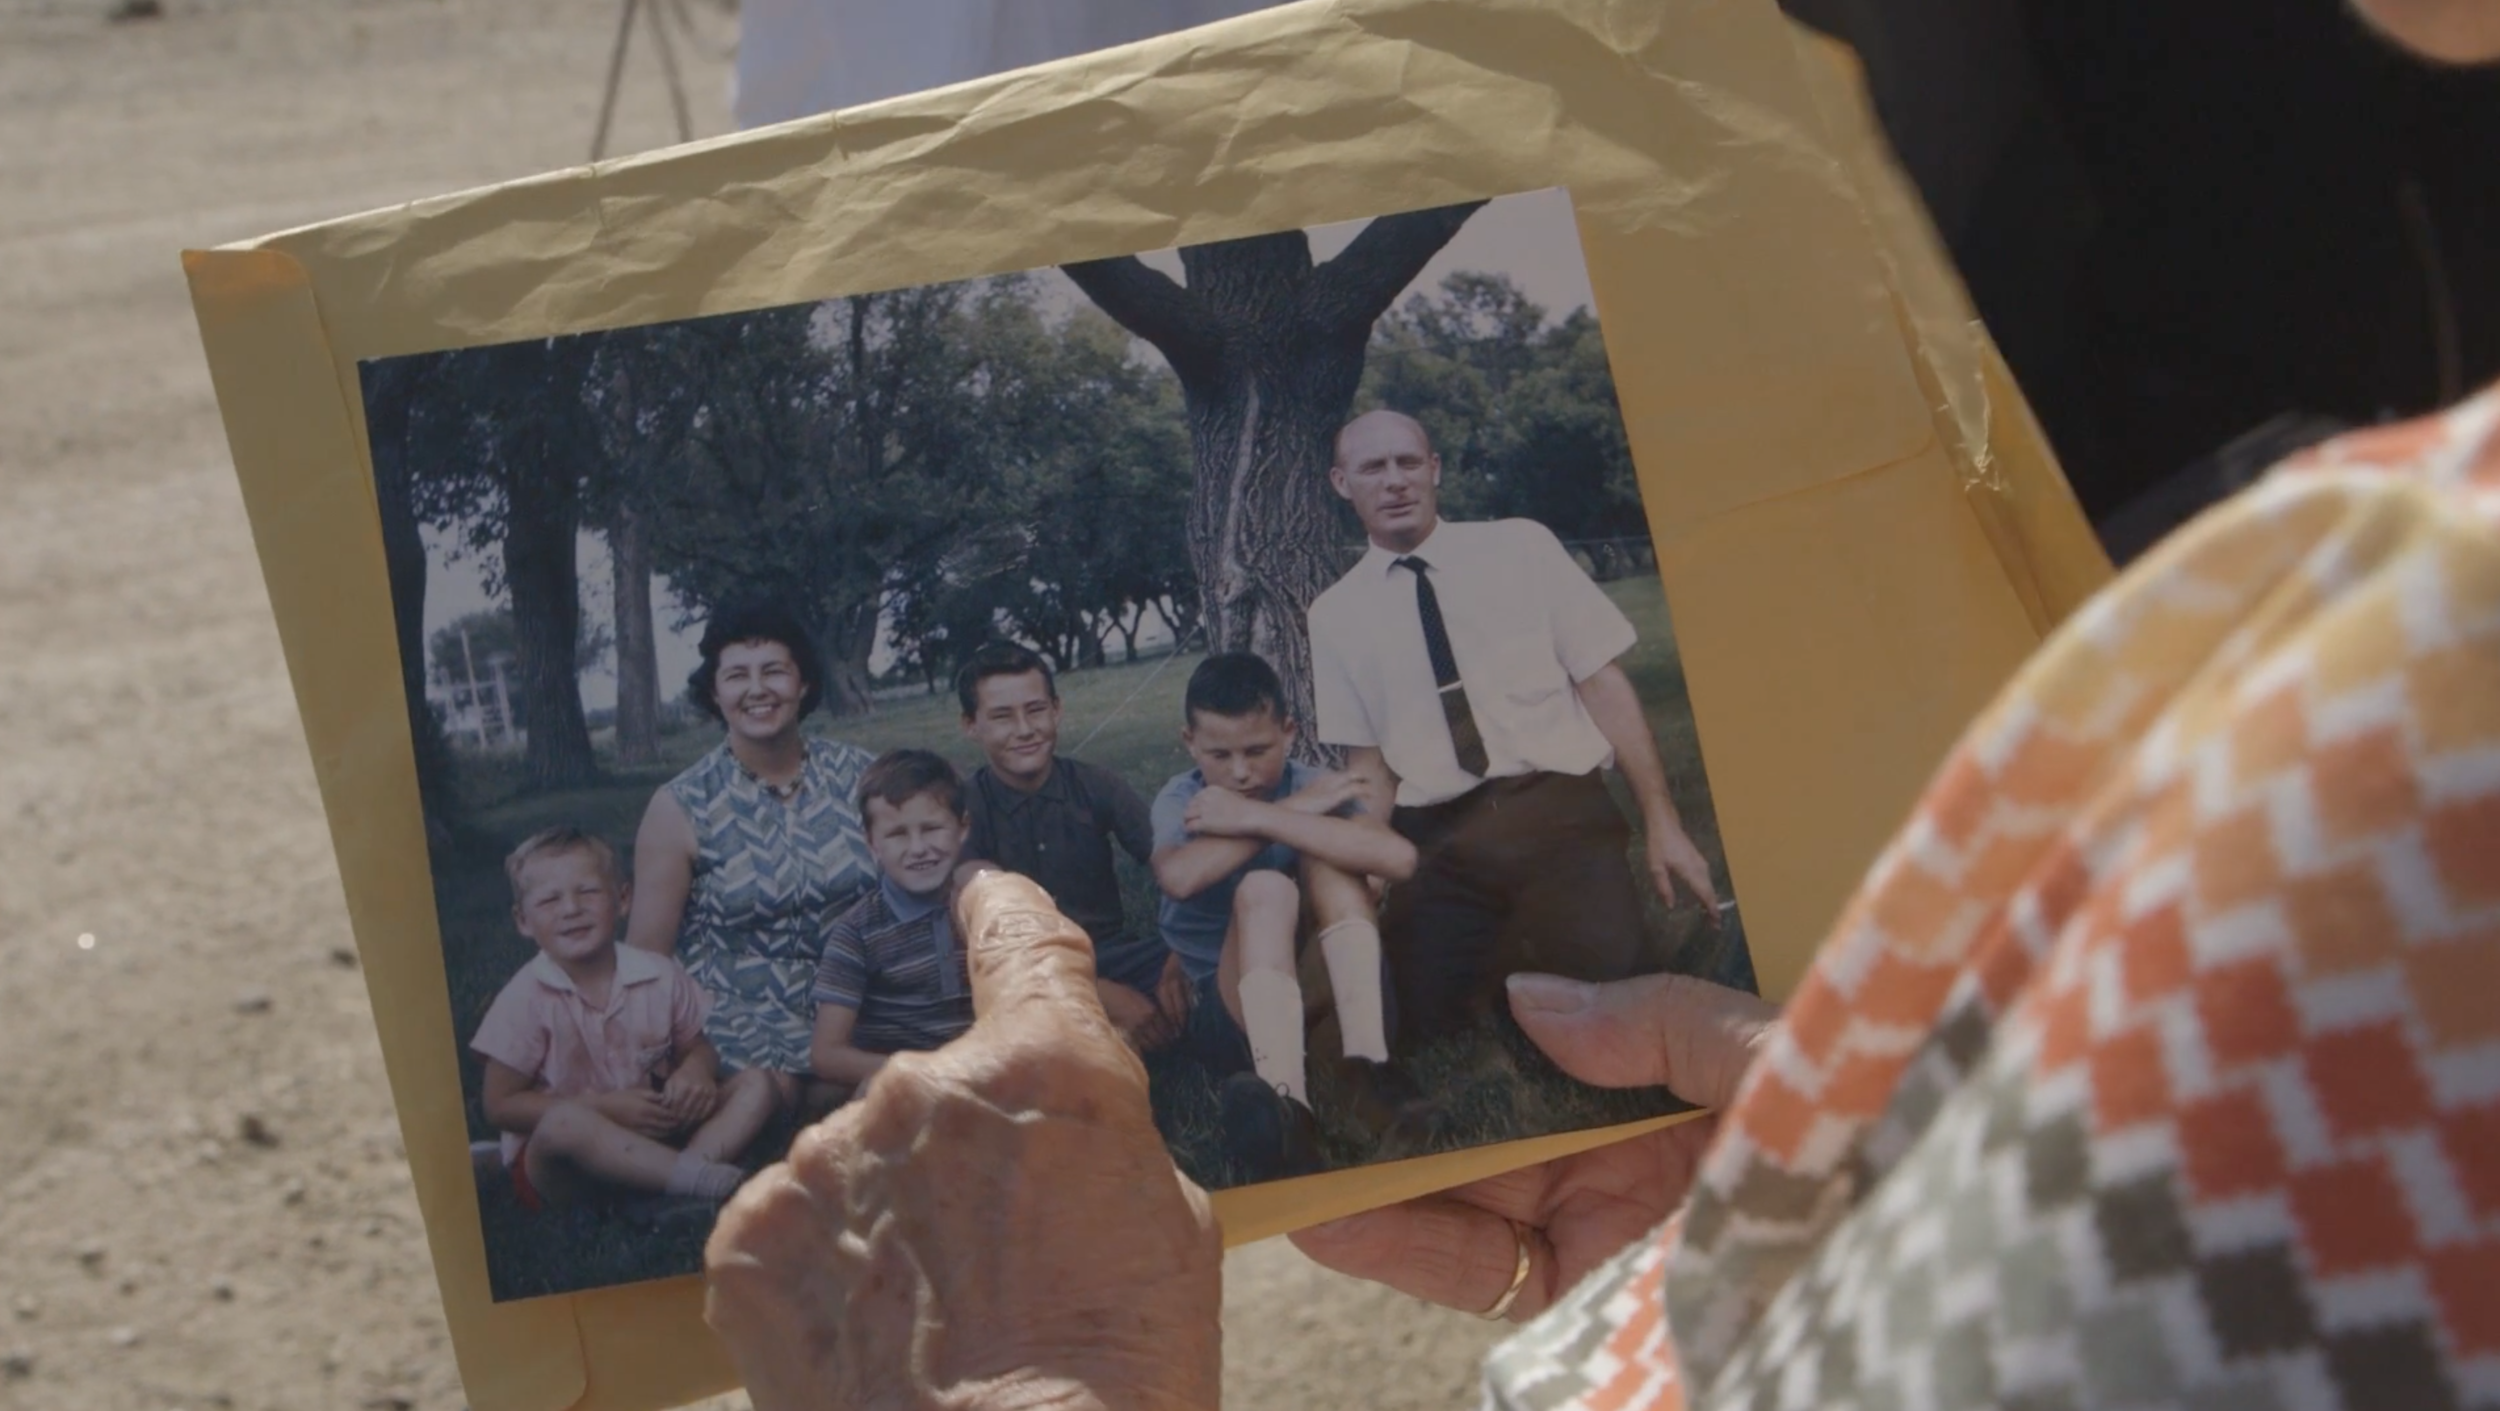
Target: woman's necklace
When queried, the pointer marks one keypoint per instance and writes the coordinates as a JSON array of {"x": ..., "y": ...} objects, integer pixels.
[{"x": 784, "y": 792}]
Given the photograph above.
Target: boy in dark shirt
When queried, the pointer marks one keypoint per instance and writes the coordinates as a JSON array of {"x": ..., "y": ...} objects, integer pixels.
[{"x": 1055, "y": 820}]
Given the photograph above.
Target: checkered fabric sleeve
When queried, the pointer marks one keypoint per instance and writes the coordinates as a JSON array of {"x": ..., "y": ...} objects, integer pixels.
[{"x": 2157, "y": 1062}]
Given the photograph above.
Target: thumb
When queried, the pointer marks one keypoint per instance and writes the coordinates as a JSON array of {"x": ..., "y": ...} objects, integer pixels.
[{"x": 1690, "y": 1036}]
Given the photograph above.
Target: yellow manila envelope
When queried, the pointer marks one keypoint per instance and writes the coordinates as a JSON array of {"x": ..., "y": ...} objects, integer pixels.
[{"x": 1838, "y": 489}]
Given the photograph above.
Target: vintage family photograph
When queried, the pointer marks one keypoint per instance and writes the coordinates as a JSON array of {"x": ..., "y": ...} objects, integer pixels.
[{"x": 1285, "y": 606}]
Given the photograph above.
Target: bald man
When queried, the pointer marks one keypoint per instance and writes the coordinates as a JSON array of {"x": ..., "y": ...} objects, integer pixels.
[{"x": 1472, "y": 673}]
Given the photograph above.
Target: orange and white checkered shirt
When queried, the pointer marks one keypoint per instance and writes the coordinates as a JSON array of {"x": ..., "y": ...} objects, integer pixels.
[{"x": 2157, "y": 1062}]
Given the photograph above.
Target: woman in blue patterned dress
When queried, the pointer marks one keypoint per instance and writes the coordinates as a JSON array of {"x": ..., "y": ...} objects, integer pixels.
[{"x": 743, "y": 859}]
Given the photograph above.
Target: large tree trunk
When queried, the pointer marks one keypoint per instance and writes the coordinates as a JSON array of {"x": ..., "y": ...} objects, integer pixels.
[
  {"x": 637, "y": 650},
  {"x": 849, "y": 641},
  {"x": 1268, "y": 348},
  {"x": 1263, "y": 526},
  {"x": 1179, "y": 612},
  {"x": 540, "y": 570},
  {"x": 387, "y": 410},
  {"x": 851, "y": 637}
]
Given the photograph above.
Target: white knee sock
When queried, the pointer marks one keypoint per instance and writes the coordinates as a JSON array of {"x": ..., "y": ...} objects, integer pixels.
[
  {"x": 697, "y": 1175},
  {"x": 1352, "y": 950},
  {"x": 1271, "y": 1013}
]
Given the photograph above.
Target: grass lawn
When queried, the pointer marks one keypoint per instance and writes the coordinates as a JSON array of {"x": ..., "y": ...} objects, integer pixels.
[{"x": 1495, "y": 1085}]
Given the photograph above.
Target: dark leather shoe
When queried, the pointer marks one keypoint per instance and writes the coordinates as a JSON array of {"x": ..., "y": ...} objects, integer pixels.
[
  {"x": 1268, "y": 1135},
  {"x": 1388, "y": 1105}
]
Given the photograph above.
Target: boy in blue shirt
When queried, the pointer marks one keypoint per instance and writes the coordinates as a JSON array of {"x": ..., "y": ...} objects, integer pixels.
[
  {"x": 1247, "y": 845},
  {"x": 893, "y": 976}
]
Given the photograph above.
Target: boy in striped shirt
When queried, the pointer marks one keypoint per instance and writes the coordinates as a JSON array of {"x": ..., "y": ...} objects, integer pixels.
[{"x": 894, "y": 976}]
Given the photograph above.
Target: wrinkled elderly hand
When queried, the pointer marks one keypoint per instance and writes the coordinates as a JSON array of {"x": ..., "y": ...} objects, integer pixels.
[
  {"x": 995, "y": 1224},
  {"x": 1457, "y": 1248}
]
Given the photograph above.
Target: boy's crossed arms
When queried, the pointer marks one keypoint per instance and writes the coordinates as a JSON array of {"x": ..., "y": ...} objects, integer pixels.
[{"x": 1229, "y": 829}]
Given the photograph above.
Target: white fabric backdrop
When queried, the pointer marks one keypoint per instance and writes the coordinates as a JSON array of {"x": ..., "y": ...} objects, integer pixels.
[{"x": 797, "y": 57}]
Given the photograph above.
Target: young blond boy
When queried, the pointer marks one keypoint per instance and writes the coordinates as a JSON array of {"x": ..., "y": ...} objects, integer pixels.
[
  {"x": 597, "y": 1071},
  {"x": 1246, "y": 844},
  {"x": 893, "y": 976}
]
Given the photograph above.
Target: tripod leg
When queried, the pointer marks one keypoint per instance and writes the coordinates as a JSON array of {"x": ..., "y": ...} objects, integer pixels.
[
  {"x": 668, "y": 67},
  {"x": 616, "y": 79}
]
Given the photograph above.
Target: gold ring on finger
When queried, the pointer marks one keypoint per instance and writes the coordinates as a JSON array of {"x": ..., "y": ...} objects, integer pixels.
[{"x": 1518, "y": 1275}]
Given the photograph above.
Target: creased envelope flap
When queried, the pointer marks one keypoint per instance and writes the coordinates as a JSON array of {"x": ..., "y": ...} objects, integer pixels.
[
  {"x": 300, "y": 459},
  {"x": 1684, "y": 132},
  {"x": 2009, "y": 475}
]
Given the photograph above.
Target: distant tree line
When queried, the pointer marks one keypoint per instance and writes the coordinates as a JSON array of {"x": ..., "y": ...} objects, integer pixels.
[
  {"x": 1521, "y": 407},
  {"x": 936, "y": 466}
]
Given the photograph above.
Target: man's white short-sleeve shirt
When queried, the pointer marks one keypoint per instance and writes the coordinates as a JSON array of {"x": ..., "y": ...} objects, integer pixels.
[{"x": 1526, "y": 625}]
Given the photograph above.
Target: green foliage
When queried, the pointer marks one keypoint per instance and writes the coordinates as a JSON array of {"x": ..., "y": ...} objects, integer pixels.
[
  {"x": 1521, "y": 409},
  {"x": 934, "y": 467},
  {"x": 504, "y": 447},
  {"x": 941, "y": 463},
  {"x": 946, "y": 464},
  {"x": 1089, "y": 497},
  {"x": 828, "y": 446}
]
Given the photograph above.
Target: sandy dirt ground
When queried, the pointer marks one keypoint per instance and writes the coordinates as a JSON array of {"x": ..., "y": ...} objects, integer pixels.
[{"x": 203, "y": 1199}]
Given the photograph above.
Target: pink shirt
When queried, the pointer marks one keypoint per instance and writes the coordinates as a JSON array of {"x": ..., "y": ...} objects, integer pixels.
[{"x": 541, "y": 1025}]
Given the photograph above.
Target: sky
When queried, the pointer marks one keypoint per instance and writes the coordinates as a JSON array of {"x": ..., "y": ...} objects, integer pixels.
[{"x": 1529, "y": 237}]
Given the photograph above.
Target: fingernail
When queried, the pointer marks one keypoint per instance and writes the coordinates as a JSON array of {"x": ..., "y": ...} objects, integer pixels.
[{"x": 1550, "y": 994}]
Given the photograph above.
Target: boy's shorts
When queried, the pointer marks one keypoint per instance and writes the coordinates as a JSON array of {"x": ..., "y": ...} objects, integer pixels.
[{"x": 1136, "y": 966}]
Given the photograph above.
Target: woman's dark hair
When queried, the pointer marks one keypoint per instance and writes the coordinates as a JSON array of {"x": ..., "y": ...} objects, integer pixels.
[{"x": 755, "y": 622}]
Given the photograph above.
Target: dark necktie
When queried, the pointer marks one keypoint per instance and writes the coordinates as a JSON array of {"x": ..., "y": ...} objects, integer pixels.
[{"x": 1454, "y": 708}]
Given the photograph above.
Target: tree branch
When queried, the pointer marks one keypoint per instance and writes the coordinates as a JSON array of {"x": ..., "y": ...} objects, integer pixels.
[
  {"x": 1148, "y": 303},
  {"x": 1350, "y": 292}
]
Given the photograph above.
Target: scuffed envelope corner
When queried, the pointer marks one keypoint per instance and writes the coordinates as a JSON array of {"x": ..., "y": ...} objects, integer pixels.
[
  {"x": 2008, "y": 472},
  {"x": 1858, "y": 524}
]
